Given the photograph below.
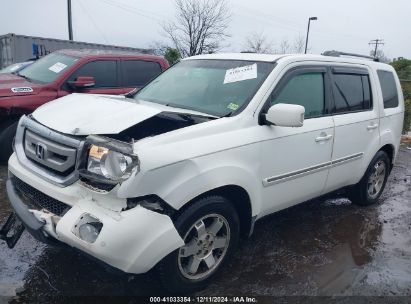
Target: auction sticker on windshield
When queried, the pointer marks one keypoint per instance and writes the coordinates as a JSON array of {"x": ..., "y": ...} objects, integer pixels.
[
  {"x": 57, "y": 67},
  {"x": 241, "y": 73}
]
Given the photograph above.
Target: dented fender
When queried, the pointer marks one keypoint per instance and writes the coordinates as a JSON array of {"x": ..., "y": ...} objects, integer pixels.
[{"x": 181, "y": 182}]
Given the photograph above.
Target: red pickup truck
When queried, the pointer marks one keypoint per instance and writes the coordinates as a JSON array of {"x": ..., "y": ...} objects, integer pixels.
[{"x": 67, "y": 71}]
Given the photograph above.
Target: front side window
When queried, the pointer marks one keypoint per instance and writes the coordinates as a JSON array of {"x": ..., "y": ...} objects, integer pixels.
[
  {"x": 217, "y": 87},
  {"x": 351, "y": 93},
  {"x": 136, "y": 73},
  {"x": 103, "y": 71},
  {"x": 389, "y": 89},
  {"x": 306, "y": 90},
  {"x": 48, "y": 68}
]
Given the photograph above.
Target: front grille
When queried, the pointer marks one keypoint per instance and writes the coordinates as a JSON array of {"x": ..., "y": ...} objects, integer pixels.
[
  {"x": 38, "y": 200},
  {"x": 54, "y": 156},
  {"x": 48, "y": 153}
]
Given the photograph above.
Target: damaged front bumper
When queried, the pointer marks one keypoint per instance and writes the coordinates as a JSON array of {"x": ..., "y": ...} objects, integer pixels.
[
  {"x": 133, "y": 241},
  {"x": 31, "y": 223}
]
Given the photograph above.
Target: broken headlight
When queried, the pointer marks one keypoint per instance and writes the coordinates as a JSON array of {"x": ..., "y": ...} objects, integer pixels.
[{"x": 109, "y": 160}]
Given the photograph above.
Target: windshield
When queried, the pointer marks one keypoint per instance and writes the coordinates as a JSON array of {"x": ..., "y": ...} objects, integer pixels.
[
  {"x": 48, "y": 68},
  {"x": 217, "y": 87},
  {"x": 14, "y": 68}
]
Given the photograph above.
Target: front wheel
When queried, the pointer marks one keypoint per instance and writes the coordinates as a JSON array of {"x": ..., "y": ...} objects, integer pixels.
[
  {"x": 210, "y": 230},
  {"x": 6, "y": 140},
  {"x": 371, "y": 186}
]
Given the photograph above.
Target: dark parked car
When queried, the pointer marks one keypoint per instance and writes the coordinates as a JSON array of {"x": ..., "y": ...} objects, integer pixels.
[{"x": 68, "y": 71}]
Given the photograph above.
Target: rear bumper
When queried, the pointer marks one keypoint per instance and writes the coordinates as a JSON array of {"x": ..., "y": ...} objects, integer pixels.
[{"x": 133, "y": 241}]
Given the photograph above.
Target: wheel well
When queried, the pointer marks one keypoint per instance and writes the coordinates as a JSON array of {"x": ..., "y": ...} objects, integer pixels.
[
  {"x": 389, "y": 149},
  {"x": 240, "y": 200},
  {"x": 7, "y": 121}
]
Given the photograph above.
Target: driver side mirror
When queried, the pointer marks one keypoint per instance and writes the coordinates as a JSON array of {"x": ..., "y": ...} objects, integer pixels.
[
  {"x": 285, "y": 115},
  {"x": 82, "y": 82}
]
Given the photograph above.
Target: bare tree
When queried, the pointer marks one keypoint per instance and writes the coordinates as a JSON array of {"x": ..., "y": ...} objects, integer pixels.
[
  {"x": 199, "y": 27},
  {"x": 158, "y": 48},
  {"x": 258, "y": 43},
  {"x": 299, "y": 44},
  {"x": 284, "y": 47}
]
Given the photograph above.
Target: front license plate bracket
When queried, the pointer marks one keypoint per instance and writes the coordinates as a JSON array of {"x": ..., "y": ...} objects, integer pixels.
[{"x": 12, "y": 230}]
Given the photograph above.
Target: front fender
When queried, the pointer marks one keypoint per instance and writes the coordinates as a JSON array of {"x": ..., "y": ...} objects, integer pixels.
[{"x": 179, "y": 183}]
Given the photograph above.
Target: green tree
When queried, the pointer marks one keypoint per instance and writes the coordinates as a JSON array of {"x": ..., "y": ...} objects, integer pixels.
[
  {"x": 403, "y": 68},
  {"x": 172, "y": 55}
]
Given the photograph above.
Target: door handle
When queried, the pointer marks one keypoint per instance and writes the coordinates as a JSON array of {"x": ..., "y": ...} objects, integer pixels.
[
  {"x": 372, "y": 126},
  {"x": 323, "y": 137}
]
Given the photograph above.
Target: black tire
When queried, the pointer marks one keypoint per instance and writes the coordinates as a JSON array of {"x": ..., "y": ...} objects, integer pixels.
[
  {"x": 7, "y": 134},
  {"x": 170, "y": 268},
  {"x": 360, "y": 194}
]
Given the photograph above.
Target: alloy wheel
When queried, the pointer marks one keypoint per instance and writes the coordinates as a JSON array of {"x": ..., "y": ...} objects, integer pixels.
[
  {"x": 206, "y": 244},
  {"x": 376, "y": 179}
]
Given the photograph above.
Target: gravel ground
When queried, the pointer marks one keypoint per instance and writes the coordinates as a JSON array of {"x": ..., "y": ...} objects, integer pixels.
[{"x": 325, "y": 247}]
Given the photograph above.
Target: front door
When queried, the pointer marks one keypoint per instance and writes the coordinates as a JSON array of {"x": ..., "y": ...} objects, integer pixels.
[
  {"x": 295, "y": 161},
  {"x": 106, "y": 76}
]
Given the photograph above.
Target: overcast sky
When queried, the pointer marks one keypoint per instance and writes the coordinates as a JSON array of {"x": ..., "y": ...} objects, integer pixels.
[{"x": 346, "y": 25}]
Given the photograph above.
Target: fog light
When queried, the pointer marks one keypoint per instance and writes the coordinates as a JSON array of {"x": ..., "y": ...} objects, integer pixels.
[
  {"x": 87, "y": 228},
  {"x": 90, "y": 231}
]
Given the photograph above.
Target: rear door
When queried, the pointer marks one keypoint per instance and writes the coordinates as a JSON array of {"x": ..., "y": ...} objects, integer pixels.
[
  {"x": 355, "y": 114},
  {"x": 137, "y": 73}
]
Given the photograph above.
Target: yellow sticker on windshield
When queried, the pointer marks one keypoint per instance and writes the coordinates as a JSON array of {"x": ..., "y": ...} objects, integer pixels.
[{"x": 233, "y": 106}]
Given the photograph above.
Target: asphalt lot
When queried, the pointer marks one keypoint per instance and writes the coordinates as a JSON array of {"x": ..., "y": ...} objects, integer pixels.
[{"x": 322, "y": 247}]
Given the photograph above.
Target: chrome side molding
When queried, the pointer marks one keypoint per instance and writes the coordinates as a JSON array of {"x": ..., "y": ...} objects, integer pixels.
[{"x": 269, "y": 181}]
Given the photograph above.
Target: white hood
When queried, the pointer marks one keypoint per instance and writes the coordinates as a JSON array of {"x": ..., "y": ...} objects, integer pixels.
[{"x": 85, "y": 114}]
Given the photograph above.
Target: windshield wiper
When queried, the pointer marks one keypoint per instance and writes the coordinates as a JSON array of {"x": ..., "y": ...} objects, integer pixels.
[
  {"x": 173, "y": 105},
  {"x": 186, "y": 117},
  {"x": 24, "y": 76},
  {"x": 228, "y": 114}
]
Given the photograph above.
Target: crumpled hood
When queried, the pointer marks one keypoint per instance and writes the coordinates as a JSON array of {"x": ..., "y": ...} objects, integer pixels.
[
  {"x": 13, "y": 85},
  {"x": 85, "y": 114}
]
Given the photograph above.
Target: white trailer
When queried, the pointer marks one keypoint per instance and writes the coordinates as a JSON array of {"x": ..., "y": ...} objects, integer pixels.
[{"x": 18, "y": 48}]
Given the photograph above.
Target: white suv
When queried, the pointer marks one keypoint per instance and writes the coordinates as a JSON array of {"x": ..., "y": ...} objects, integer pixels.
[{"x": 173, "y": 175}]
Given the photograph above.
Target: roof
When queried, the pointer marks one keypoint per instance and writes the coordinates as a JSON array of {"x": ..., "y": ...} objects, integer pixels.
[
  {"x": 291, "y": 57},
  {"x": 106, "y": 53},
  {"x": 239, "y": 56}
]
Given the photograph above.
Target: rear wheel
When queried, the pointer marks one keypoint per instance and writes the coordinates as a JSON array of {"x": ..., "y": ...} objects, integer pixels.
[
  {"x": 7, "y": 133},
  {"x": 210, "y": 230},
  {"x": 369, "y": 189}
]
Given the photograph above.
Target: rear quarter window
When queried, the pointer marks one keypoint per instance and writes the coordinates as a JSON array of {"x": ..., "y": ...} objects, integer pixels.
[
  {"x": 137, "y": 73},
  {"x": 389, "y": 89}
]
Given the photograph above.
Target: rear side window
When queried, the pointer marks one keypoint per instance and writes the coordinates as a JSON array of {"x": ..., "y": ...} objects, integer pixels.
[
  {"x": 351, "y": 93},
  {"x": 137, "y": 73},
  {"x": 389, "y": 89},
  {"x": 306, "y": 90},
  {"x": 103, "y": 71}
]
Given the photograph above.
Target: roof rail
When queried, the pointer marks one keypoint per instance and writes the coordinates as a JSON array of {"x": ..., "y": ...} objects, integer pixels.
[{"x": 339, "y": 54}]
